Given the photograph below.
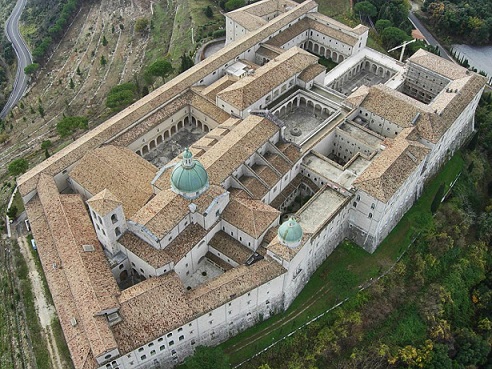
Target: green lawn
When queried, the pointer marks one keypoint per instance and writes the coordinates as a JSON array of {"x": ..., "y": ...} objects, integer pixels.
[{"x": 340, "y": 275}]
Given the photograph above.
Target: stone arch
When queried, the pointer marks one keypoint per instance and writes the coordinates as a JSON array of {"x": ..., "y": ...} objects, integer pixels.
[
  {"x": 186, "y": 120},
  {"x": 322, "y": 51},
  {"x": 282, "y": 111},
  {"x": 159, "y": 139},
  {"x": 173, "y": 130},
  {"x": 193, "y": 121},
  {"x": 302, "y": 101},
  {"x": 316, "y": 48},
  {"x": 340, "y": 58},
  {"x": 310, "y": 45},
  {"x": 334, "y": 56},
  {"x": 374, "y": 68},
  {"x": 205, "y": 128},
  {"x": 138, "y": 153},
  {"x": 199, "y": 124},
  {"x": 180, "y": 124},
  {"x": 166, "y": 135},
  {"x": 380, "y": 71},
  {"x": 152, "y": 144},
  {"x": 145, "y": 150},
  {"x": 388, "y": 74}
]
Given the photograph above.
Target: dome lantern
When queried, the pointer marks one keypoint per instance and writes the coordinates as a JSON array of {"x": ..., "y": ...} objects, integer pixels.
[{"x": 290, "y": 233}]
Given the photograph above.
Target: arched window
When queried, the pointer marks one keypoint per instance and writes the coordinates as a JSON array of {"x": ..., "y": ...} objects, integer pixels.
[
  {"x": 114, "y": 218},
  {"x": 117, "y": 231}
]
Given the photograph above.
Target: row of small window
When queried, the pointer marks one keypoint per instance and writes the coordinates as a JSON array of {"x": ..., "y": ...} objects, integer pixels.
[{"x": 373, "y": 206}]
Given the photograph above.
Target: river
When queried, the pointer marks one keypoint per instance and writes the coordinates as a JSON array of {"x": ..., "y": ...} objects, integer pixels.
[{"x": 479, "y": 57}]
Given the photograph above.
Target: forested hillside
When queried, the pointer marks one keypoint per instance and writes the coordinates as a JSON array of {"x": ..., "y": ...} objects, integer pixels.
[
  {"x": 46, "y": 21},
  {"x": 469, "y": 21}
]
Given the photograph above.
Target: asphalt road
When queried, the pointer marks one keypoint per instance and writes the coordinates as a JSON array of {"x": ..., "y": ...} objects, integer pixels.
[
  {"x": 428, "y": 36},
  {"x": 24, "y": 57}
]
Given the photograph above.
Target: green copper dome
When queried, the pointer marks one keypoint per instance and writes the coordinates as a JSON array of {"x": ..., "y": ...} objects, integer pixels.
[
  {"x": 290, "y": 233},
  {"x": 189, "y": 178}
]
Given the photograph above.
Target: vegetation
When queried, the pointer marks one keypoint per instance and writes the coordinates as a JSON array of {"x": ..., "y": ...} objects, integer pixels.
[
  {"x": 56, "y": 16},
  {"x": 160, "y": 68},
  {"x": 18, "y": 166},
  {"x": 467, "y": 21},
  {"x": 207, "y": 358},
  {"x": 31, "y": 68},
  {"x": 433, "y": 309},
  {"x": 121, "y": 96},
  {"x": 142, "y": 25},
  {"x": 70, "y": 125}
]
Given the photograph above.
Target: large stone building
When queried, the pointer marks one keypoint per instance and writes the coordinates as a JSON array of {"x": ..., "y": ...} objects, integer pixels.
[{"x": 207, "y": 205}]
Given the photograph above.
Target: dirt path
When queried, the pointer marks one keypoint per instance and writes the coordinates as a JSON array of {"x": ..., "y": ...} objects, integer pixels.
[{"x": 46, "y": 311}]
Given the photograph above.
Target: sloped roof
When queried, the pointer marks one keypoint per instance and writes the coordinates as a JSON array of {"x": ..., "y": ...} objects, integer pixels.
[
  {"x": 161, "y": 214},
  {"x": 80, "y": 281},
  {"x": 104, "y": 202},
  {"x": 385, "y": 175},
  {"x": 251, "y": 216},
  {"x": 125, "y": 174},
  {"x": 250, "y": 89}
]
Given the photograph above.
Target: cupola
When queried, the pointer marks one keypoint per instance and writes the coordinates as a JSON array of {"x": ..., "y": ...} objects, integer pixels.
[
  {"x": 189, "y": 178},
  {"x": 290, "y": 233}
]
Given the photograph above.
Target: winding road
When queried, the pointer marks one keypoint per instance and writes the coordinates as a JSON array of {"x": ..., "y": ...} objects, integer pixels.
[{"x": 24, "y": 57}]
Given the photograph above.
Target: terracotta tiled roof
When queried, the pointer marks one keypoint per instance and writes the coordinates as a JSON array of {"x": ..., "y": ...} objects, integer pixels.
[
  {"x": 249, "y": 21},
  {"x": 109, "y": 168},
  {"x": 150, "y": 309},
  {"x": 232, "y": 283},
  {"x": 104, "y": 202},
  {"x": 156, "y": 99},
  {"x": 230, "y": 247},
  {"x": 437, "y": 64},
  {"x": 161, "y": 214},
  {"x": 250, "y": 89},
  {"x": 156, "y": 258},
  {"x": 385, "y": 175},
  {"x": 251, "y": 216},
  {"x": 80, "y": 281},
  {"x": 241, "y": 142},
  {"x": 185, "y": 241},
  {"x": 311, "y": 72}
]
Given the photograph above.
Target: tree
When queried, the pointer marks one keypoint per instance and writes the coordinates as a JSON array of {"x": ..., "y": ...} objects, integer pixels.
[
  {"x": 72, "y": 85},
  {"x": 103, "y": 60},
  {"x": 234, "y": 4},
  {"x": 69, "y": 125},
  {"x": 472, "y": 349},
  {"x": 31, "y": 68},
  {"x": 104, "y": 41},
  {"x": 365, "y": 8},
  {"x": 186, "y": 63},
  {"x": 160, "y": 68},
  {"x": 393, "y": 36},
  {"x": 209, "y": 12},
  {"x": 46, "y": 144},
  {"x": 79, "y": 73},
  {"x": 382, "y": 24},
  {"x": 142, "y": 25},
  {"x": 207, "y": 358},
  {"x": 121, "y": 96},
  {"x": 41, "y": 110},
  {"x": 12, "y": 212},
  {"x": 18, "y": 166}
]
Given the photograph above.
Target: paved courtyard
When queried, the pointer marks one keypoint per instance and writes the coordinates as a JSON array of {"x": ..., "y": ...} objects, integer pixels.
[{"x": 168, "y": 150}]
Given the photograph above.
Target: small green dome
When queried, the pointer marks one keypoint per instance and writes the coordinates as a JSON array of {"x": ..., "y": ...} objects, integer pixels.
[
  {"x": 290, "y": 233},
  {"x": 189, "y": 178}
]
